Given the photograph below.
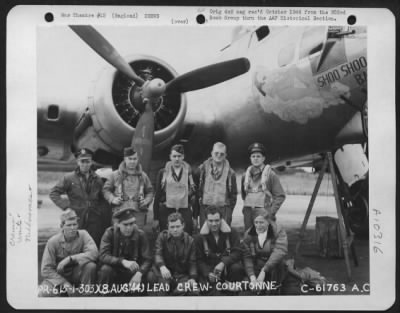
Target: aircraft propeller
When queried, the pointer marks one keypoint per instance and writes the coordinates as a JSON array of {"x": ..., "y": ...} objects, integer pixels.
[
  {"x": 152, "y": 90},
  {"x": 99, "y": 44}
]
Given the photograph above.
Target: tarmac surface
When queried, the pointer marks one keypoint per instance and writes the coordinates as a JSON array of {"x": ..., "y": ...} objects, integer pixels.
[{"x": 290, "y": 216}]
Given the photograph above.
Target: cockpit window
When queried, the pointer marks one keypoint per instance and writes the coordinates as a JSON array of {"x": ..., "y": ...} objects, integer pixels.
[
  {"x": 312, "y": 41},
  {"x": 53, "y": 112},
  {"x": 262, "y": 32},
  {"x": 258, "y": 35}
]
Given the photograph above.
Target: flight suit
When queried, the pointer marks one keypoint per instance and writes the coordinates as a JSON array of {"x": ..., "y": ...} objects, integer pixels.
[
  {"x": 131, "y": 186},
  {"x": 175, "y": 193},
  {"x": 179, "y": 256},
  {"x": 81, "y": 271},
  {"x": 268, "y": 256},
  {"x": 114, "y": 248},
  {"x": 210, "y": 252},
  {"x": 86, "y": 199},
  {"x": 217, "y": 190},
  {"x": 258, "y": 199}
]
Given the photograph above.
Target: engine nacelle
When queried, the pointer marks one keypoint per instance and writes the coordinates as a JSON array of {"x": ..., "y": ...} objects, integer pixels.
[{"x": 114, "y": 108}]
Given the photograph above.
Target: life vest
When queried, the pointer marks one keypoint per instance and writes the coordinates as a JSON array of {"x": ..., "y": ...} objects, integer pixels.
[
  {"x": 215, "y": 191},
  {"x": 130, "y": 189},
  {"x": 177, "y": 192},
  {"x": 256, "y": 190}
]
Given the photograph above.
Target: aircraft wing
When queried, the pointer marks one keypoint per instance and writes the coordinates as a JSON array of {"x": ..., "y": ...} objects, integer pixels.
[{"x": 312, "y": 160}]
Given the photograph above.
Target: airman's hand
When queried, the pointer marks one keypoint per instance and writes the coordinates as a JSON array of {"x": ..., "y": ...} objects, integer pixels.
[
  {"x": 64, "y": 262},
  {"x": 253, "y": 283},
  {"x": 219, "y": 268},
  {"x": 261, "y": 276},
  {"x": 191, "y": 282},
  {"x": 130, "y": 265},
  {"x": 116, "y": 200},
  {"x": 213, "y": 278},
  {"x": 143, "y": 203},
  {"x": 156, "y": 225},
  {"x": 165, "y": 273},
  {"x": 136, "y": 279}
]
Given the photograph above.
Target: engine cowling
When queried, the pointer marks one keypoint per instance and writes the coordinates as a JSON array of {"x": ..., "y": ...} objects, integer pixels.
[{"x": 115, "y": 107}]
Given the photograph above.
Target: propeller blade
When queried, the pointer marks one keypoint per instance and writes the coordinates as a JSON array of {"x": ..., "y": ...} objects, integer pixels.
[
  {"x": 209, "y": 75},
  {"x": 142, "y": 140},
  {"x": 99, "y": 44}
]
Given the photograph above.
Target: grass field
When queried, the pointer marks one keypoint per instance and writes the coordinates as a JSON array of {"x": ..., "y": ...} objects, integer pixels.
[
  {"x": 294, "y": 183},
  {"x": 302, "y": 183}
]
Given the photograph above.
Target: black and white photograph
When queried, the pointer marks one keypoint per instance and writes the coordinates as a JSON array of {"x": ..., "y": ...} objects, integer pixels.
[{"x": 200, "y": 162}]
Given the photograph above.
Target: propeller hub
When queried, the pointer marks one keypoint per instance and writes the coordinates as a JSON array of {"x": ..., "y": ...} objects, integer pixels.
[{"x": 153, "y": 89}]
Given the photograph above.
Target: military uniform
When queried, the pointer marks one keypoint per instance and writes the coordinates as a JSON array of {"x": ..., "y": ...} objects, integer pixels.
[
  {"x": 178, "y": 255},
  {"x": 217, "y": 188},
  {"x": 261, "y": 190},
  {"x": 85, "y": 198},
  {"x": 131, "y": 186},
  {"x": 267, "y": 255},
  {"x": 210, "y": 252},
  {"x": 82, "y": 270},
  {"x": 114, "y": 248},
  {"x": 175, "y": 192}
]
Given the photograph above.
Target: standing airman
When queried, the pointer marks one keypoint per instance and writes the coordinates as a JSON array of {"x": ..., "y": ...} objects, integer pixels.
[
  {"x": 175, "y": 191},
  {"x": 262, "y": 191},
  {"x": 130, "y": 187},
  {"x": 217, "y": 184},
  {"x": 83, "y": 188}
]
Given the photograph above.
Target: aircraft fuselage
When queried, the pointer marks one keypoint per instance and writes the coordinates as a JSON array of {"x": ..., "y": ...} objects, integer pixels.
[
  {"x": 304, "y": 86},
  {"x": 297, "y": 96}
]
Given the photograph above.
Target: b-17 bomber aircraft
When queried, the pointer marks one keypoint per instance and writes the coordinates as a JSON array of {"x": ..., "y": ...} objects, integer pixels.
[{"x": 301, "y": 91}]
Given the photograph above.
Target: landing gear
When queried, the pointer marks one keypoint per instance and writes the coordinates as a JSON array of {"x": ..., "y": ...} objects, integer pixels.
[
  {"x": 352, "y": 179},
  {"x": 346, "y": 236},
  {"x": 358, "y": 207}
]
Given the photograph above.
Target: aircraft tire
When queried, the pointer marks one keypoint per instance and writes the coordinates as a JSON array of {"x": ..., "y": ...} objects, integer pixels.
[{"x": 358, "y": 213}]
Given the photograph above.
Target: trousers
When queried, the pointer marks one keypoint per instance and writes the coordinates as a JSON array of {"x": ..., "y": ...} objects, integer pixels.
[{"x": 85, "y": 275}]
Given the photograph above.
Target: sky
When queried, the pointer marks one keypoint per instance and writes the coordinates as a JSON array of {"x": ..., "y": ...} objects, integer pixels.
[{"x": 66, "y": 65}]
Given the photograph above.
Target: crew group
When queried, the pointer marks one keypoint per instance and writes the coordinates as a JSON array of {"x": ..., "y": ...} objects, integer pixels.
[{"x": 193, "y": 212}]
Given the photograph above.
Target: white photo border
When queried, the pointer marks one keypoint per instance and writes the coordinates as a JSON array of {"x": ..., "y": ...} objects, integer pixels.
[{"x": 22, "y": 24}]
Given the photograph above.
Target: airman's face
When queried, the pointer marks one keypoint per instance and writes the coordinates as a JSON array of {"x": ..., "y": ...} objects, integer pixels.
[
  {"x": 218, "y": 154},
  {"x": 257, "y": 159},
  {"x": 176, "y": 228},
  {"x": 131, "y": 161},
  {"x": 70, "y": 228},
  {"x": 126, "y": 227},
  {"x": 84, "y": 165},
  {"x": 214, "y": 222},
  {"x": 261, "y": 224},
  {"x": 176, "y": 158}
]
